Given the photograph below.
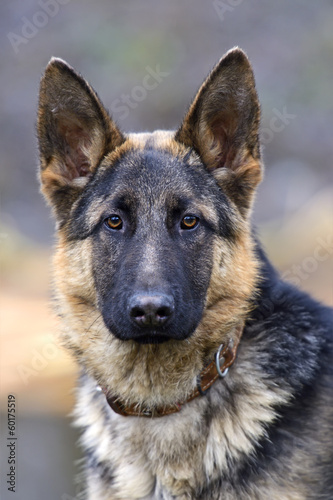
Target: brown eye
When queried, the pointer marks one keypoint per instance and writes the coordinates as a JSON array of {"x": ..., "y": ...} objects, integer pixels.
[
  {"x": 114, "y": 222},
  {"x": 189, "y": 222}
]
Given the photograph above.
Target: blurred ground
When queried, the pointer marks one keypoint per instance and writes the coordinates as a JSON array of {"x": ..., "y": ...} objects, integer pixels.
[
  {"x": 114, "y": 44},
  {"x": 31, "y": 359}
]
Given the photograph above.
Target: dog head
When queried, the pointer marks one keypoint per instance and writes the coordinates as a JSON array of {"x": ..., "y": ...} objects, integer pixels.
[{"x": 154, "y": 243}]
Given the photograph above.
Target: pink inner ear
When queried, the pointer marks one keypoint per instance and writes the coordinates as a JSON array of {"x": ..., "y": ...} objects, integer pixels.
[{"x": 77, "y": 142}]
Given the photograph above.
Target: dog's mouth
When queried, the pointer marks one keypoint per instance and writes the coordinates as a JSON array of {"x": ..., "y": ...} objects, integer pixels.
[
  {"x": 151, "y": 339},
  {"x": 153, "y": 336}
]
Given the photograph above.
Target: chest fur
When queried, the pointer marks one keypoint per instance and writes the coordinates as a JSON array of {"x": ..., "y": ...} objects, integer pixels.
[{"x": 177, "y": 455}]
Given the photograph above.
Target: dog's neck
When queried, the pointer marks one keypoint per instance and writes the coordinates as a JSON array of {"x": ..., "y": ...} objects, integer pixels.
[{"x": 218, "y": 368}]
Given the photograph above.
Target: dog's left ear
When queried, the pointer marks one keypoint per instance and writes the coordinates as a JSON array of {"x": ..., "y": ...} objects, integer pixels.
[
  {"x": 222, "y": 126},
  {"x": 75, "y": 132}
]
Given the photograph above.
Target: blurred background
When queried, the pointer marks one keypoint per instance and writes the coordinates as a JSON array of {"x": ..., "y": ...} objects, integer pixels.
[{"x": 115, "y": 44}]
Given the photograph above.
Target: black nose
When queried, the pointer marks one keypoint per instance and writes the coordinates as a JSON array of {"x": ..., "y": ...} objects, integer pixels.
[{"x": 151, "y": 310}]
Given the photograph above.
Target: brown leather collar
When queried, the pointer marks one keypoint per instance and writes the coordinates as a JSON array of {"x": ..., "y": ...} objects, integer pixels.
[{"x": 223, "y": 359}]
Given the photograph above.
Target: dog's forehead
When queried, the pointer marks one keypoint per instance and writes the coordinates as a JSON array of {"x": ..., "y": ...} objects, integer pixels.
[
  {"x": 152, "y": 162},
  {"x": 150, "y": 172}
]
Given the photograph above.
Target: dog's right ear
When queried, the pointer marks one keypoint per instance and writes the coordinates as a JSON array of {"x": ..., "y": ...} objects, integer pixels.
[
  {"x": 222, "y": 126},
  {"x": 74, "y": 131}
]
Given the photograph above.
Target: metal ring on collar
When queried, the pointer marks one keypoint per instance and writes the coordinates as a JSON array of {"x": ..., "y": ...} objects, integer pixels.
[{"x": 219, "y": 361}]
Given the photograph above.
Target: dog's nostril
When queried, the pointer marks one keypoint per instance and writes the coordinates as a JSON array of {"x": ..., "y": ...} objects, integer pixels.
[
  {"x": 137, "y": 313},
  {"x": 151, "y": 310},
  {"x": 163, "y": 312}
]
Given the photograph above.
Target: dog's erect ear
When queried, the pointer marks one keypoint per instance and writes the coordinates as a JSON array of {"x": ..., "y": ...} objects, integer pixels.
[
  {"x": 222, "y": 126},
  {"x": 75, "y": 132}
]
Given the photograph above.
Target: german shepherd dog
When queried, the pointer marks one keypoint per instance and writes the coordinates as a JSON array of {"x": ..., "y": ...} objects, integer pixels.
[{"x": 204, "y": 375}]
